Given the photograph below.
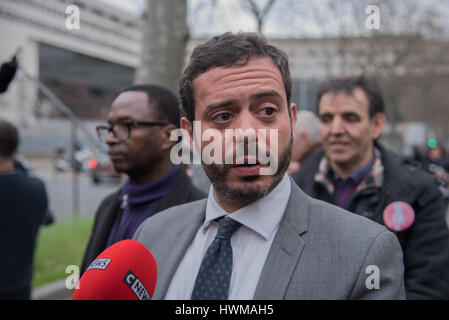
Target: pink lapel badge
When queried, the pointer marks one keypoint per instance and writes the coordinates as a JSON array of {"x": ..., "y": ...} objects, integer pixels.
[{"x": 398, "y": 216}]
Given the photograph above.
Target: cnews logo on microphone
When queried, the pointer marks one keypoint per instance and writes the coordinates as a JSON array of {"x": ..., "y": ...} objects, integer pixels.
[
  {"x": 99, "y": 264},
  {"x": 136, "y": 286}
]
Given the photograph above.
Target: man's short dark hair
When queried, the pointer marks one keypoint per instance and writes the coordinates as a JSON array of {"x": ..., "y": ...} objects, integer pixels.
[
  {"x": 9, "y": 139},
  {"x": 163, "y": 100},
  {"x": 347, "y": 85},
  {"x": 229, "y": 50}
]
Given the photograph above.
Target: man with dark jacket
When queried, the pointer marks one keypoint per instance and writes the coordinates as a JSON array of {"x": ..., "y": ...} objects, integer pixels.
[
  {"x": 357, "y": 173},
  {"x": 141, "y": 120},
  {"x": 23, "y": 203}
]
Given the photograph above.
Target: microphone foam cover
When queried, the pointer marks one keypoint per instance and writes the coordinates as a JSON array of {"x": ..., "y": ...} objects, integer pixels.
[{"x": 125, "y": 271}]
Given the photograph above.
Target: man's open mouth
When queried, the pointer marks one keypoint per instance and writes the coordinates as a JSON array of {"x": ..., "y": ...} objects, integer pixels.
[
  {"x": 247, "y": 167},
  {"x": 246, "y": 162}
]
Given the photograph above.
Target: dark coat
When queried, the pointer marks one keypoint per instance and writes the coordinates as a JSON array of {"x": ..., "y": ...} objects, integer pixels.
[
  {"x": 23, "y": 202},
  {"x": 425, "y": 244},
  {"x": 182, "y": 191}
]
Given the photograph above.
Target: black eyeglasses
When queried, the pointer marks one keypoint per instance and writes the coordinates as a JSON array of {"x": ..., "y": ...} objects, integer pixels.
[{"x": 122, "y": 130}]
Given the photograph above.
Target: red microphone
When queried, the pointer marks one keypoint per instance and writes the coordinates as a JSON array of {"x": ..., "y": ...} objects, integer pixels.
[{"x": 125, "y": 271}]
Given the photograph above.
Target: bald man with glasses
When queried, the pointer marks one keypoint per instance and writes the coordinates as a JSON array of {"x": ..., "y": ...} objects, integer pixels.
[{"x": 140, "y": 122}]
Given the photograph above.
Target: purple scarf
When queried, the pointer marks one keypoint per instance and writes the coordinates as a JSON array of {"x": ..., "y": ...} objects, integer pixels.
[{"x": 137, "y": 202}]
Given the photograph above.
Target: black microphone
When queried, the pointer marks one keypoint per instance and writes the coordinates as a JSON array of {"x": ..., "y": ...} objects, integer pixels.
[{"x": 7, "y": 73}]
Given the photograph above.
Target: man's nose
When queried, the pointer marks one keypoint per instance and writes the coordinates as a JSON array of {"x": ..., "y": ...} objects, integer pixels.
[
  {"x": 337, "y": 126},
  {"x": 246, "y": 120},
  {"x": 111, "y": 139},
  {"x": 247, "y": 124}
]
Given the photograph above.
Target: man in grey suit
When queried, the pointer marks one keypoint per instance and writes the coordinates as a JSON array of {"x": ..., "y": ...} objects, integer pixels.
[{"x": 257, "y": 235}]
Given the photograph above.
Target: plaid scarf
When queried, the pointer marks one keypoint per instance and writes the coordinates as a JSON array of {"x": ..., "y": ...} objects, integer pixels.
[{"x": 373, "y": 179}]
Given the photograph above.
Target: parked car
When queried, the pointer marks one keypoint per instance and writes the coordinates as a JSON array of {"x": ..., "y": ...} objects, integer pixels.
[
  {"x": 101, "y": 169},
  {"x": 66, "y": 161}
]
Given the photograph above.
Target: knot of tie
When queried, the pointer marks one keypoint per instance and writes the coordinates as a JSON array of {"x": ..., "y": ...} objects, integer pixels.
[{"x": 226, "y": 228}]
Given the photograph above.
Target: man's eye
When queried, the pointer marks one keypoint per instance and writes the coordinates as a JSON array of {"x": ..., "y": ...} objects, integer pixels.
[
  {"x": 268, "y": 111},
  {"x": 325, "y": 118},
  {"x": 351, "y": 117},
  {"x": 224, "y": 116}
]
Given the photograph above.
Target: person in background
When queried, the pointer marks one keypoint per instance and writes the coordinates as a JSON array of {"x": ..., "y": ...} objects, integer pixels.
[
  {"x": 141, "y": 120},
  {"x": 306, "y": 139},
  {"x": 437, "y": 163},
  {"x": 23, "y": 204},
  {"x": 354, "y": 171},
  {"x": 22, "y": 165}
]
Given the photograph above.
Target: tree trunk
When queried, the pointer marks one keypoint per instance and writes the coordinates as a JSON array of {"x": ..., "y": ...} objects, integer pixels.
[{"x": 164, "y": 43}]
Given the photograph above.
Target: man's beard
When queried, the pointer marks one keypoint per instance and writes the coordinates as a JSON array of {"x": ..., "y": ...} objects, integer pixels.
[{"x": 251, "y": 192}]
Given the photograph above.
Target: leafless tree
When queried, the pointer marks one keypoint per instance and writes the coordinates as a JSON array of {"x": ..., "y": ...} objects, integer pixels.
[
  {"x": 164, "y": 43},
  {"x": 259, "y": 13},
  {"x": 408, "y": 48}
]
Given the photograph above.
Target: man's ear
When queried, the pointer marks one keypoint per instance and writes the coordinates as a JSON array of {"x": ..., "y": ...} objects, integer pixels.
[
  {"x": 188, "y": 126},
  {"x": 165, "y": 134},
  {"x": 293, "y": 116},
  {"x": 377, "y": 125}
]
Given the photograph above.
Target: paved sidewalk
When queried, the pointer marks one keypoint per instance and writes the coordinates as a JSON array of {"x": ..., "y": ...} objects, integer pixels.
[{"x": 52, "y": 291}]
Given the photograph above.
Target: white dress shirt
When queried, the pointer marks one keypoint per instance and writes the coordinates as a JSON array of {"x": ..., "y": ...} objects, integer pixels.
[{"x": 250, "y": 243}]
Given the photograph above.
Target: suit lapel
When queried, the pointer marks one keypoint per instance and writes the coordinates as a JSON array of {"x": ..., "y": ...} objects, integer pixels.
[
  {"x": 286, "y": 249},
  {"x": 172, "y": 252}
]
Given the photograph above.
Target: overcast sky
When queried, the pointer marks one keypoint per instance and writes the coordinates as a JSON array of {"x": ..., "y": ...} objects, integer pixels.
[
  {"x": 128, "y": 5},
  {"x": 227, "y": 15},
  {"x": 206, "y": 17}
]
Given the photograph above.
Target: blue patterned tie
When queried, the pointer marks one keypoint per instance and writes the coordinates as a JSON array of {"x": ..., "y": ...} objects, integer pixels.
[{"x": 214, "y": 276}]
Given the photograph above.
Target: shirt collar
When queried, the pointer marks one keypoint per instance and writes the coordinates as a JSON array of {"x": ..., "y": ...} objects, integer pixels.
[
  {"x": 357, "y": 176},
  {"x": 262, "y": 216},
  {"x": 372, "y": 178}
]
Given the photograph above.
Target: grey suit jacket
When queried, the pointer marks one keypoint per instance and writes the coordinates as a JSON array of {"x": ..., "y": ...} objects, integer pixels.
[{"x": 319, "y": 252}]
